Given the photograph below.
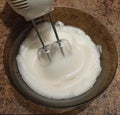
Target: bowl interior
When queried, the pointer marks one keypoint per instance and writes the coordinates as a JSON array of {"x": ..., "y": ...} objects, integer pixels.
[{"x": 93, "y": 28}]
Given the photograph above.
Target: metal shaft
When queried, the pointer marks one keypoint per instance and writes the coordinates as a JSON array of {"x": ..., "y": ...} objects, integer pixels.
[
  {"x": 40, "y": 38},
  {"x": 53, "y": 26},
  {"x": 56, "y": 34}
]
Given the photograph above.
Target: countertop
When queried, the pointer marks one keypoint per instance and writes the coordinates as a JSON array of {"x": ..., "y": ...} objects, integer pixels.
[{"x": 106, "y": 11}]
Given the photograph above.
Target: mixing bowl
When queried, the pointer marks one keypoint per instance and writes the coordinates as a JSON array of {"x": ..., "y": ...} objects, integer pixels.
[{"x": 93, "y": 28}]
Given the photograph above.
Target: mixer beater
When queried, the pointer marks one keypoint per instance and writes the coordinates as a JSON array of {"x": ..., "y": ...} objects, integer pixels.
[{"x": 32, "y": 9}]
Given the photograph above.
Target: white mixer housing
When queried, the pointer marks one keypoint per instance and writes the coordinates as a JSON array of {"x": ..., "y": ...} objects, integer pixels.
[{"x": 31, "y": 9}]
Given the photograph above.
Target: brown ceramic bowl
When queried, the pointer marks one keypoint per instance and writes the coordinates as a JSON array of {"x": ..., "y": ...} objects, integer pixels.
[{"x": 94, "y": 29}]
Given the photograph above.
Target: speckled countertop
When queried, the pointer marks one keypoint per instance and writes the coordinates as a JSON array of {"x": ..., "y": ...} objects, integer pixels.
[{"x": 108, "y": 12}]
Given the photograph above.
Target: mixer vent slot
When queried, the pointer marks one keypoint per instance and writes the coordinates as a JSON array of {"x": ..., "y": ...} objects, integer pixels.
[{"x": 20, "y": 4}]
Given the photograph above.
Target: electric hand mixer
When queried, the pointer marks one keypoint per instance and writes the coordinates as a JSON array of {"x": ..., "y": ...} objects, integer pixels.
[{"x": 32, "y": 9}]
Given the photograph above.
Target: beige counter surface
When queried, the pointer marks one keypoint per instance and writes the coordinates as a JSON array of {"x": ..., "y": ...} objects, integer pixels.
[{"x": 108, "y": 12}]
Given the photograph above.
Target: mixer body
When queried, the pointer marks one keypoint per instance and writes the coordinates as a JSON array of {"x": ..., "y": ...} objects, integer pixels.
[{"x": 31, "y": 9}]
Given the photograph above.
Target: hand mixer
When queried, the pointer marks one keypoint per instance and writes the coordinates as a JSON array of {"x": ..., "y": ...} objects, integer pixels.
[{"x": 32, "y": 9}]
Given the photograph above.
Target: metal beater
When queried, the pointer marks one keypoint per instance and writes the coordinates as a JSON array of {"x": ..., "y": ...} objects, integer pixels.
[{"x": 32, "y": 9}]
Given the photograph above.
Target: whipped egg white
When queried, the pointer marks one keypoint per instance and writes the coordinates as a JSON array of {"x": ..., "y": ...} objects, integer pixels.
[{"x": 65, "y": 77}]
